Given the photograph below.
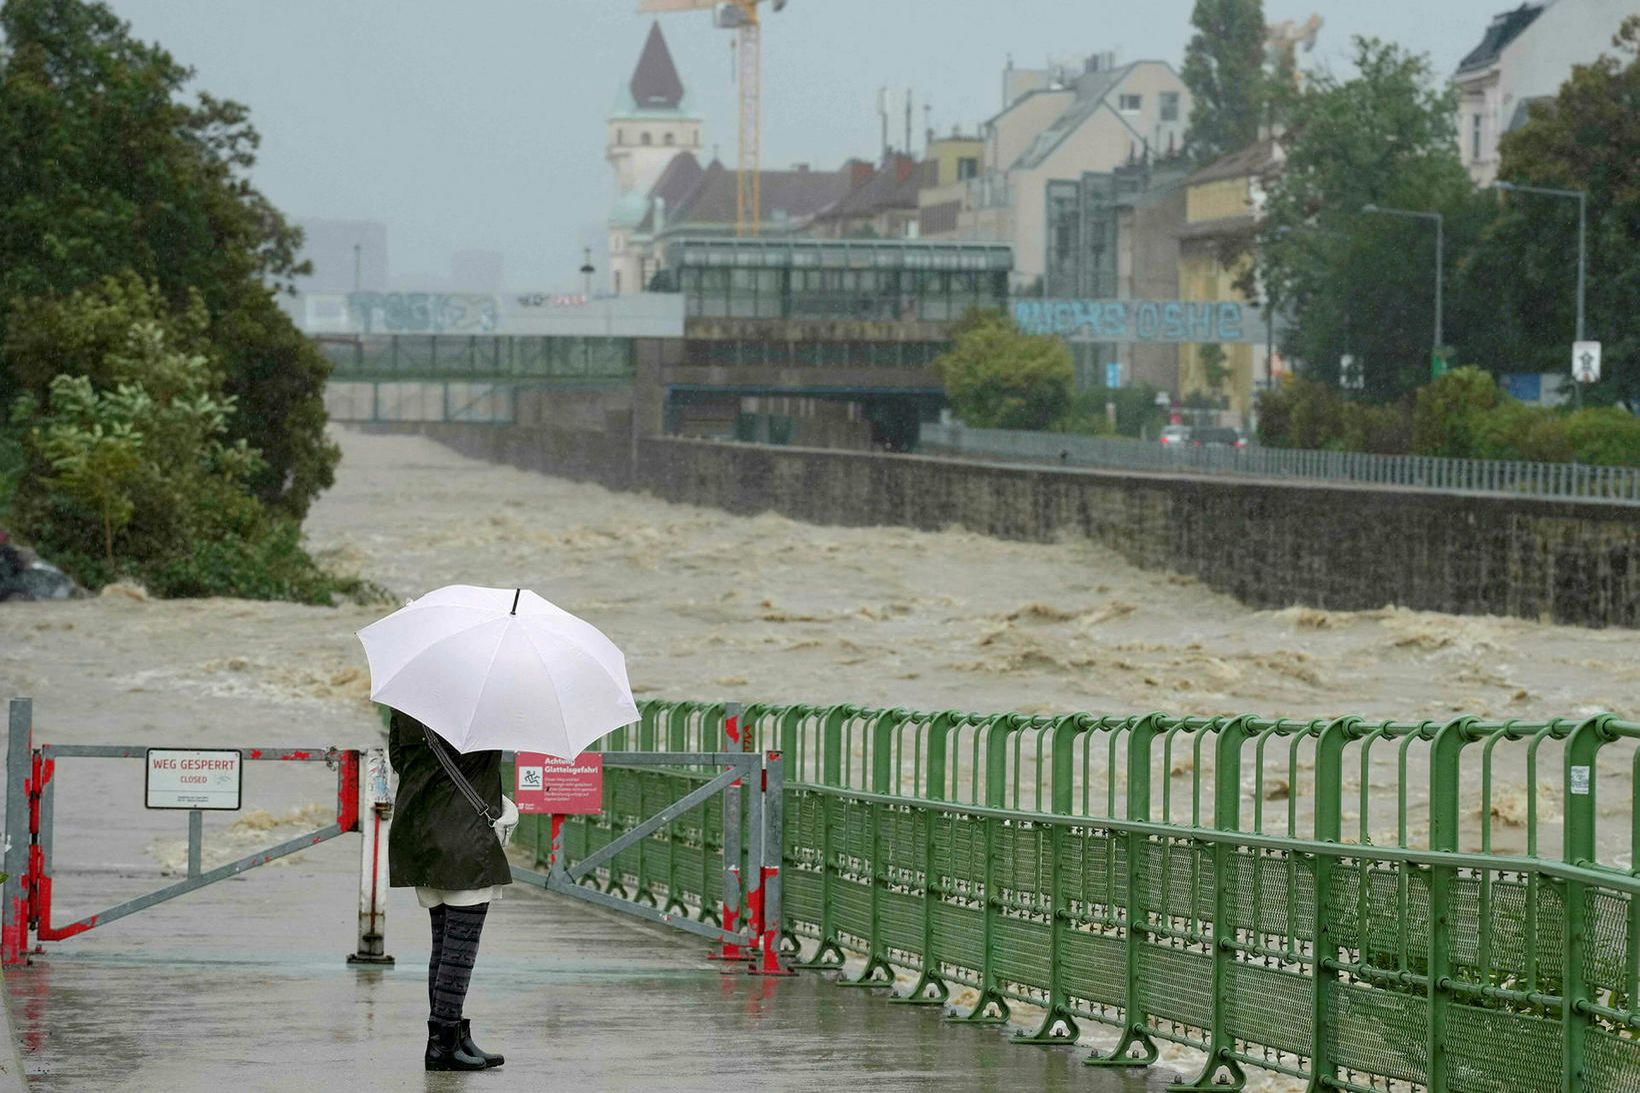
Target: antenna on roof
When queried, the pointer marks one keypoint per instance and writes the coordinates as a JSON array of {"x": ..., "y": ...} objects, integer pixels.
[{"x": 908, "y": 121}]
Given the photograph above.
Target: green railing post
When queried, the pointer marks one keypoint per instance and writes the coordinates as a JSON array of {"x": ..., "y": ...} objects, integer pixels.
[
  {"x": 1582, "y": 748},
  {"x": 877, "y": 971},
  {"x": 992, "y": 1008},
  {"x": 1221, "y": 1070},
  {"x": 930, "y": 989},
  {"x": 1329, "y": 824},
  {"x": 828, "y": 953},
  {"x": 1135, "y": 1032},
  {"x": 1444, "y": 755},
  {"x": 1058, "y": 1023}
]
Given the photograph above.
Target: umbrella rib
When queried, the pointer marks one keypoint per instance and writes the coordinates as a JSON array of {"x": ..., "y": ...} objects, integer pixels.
[
  {"x": 556, "y": 697},
  {"x": 467, "y": 731}
]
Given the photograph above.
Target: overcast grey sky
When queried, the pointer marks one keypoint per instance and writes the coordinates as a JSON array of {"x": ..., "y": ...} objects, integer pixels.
[{"x": 480, "y": 125}]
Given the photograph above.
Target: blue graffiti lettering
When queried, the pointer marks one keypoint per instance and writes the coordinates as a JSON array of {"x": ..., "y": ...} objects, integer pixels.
[
  {"x": 1116, "y": 319},
  {"x": 1150, "y": 321},
  {"x": 1230, "y": 328}
]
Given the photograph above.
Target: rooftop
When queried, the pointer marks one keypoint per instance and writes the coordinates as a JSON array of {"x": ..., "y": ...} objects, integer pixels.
[
  {"x": 655, "y": 82},
  {"x": 1505, "y": 28}
]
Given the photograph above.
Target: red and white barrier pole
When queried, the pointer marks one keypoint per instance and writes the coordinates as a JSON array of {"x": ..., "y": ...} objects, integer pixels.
[
  {"x": 770, "y": 843},
  {"x": 14, "y": 899},
  {"x": 372, "y": 811}
]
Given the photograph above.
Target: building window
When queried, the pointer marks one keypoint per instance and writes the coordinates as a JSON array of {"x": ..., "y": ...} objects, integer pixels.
[
  {"x": 1475, "y": 137},
  {"x": 967, "y": 167},
  {"x": 668, "y": 140},
  {"x": 1130, "y": 104},
  {"x": 1170, "y": 106},
  {"x": 645, "y": 139}
]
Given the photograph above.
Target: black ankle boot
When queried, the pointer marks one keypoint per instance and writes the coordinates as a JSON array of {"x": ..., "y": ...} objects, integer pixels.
[
  {"x": 473, "y": 1049},
  {"x": 444, "y": 1051}
]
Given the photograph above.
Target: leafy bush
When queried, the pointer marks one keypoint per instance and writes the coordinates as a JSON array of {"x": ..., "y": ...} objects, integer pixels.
[
  {"x": 1136, "y": 412},
  {"x": 1448, "y": 414},
  {"x": 134, "y": 475},
  {"x": 1305, "y": 414},
  {"x": 999, "y": 378},
  {"x": 12, "y": 461}
]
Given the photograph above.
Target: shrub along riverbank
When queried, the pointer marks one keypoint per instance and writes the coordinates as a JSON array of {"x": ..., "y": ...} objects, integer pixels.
[{"x": 1463, "y": 414}]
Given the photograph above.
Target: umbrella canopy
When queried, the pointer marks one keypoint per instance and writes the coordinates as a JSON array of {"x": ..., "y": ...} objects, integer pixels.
[{"x": 499, "y": 668}]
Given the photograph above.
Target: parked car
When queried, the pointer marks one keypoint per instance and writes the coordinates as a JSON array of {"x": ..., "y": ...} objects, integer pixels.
[
  {"x": 1217, "y": 437},
  {"x": 1176, "y": 436}
]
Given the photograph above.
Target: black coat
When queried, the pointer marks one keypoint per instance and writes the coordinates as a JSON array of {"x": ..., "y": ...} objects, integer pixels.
[{"x": 437, "y": 838}]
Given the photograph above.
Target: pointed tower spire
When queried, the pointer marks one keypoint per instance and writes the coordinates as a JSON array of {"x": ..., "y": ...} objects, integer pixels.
[{"x": 655, "y": 83}]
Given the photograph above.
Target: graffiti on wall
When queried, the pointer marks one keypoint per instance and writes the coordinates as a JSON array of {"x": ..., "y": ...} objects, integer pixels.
[
  {"x": 422, "y": 313},
  {"x": 1175, "y": 321}
]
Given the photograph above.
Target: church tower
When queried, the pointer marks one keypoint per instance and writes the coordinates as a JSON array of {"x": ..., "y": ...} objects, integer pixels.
[{"x": 651, "y": 123}]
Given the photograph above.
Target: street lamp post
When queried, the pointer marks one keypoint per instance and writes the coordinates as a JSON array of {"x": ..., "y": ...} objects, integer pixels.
[
  {"x": 1312, "y": 229},
  {"x": 1582, "y": 197},
  {"x": 1440, "y": 260}
]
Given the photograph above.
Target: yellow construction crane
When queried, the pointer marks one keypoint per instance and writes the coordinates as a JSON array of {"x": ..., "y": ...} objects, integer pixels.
[{"x": 740, "y": 16}]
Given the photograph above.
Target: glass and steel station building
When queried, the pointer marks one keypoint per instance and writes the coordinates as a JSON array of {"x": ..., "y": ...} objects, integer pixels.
[{"x": 829, "y": 342}]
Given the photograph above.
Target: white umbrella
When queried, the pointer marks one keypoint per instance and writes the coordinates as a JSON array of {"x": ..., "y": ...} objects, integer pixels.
[{"x": 499, "y": 668}]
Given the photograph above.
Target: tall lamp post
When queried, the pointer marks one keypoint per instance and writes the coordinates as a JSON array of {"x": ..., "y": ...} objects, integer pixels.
[
  {"x": 1440, "y": 260},
  {"x": 1582, "y": 197},
  {"x": 1283, "y": 232}
]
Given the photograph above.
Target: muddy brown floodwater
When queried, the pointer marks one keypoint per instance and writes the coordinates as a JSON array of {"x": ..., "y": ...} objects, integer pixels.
[{"x": 709, "y": 605}]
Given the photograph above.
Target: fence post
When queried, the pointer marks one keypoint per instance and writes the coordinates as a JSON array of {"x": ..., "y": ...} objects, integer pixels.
[
  {"x": 1329, "y": 792},
  {"x": 14, "y": 914},
  {"x": 733, "y": 855},
  {"x": 1135, "y": 1034},
  {"x": 766, "y": 955},
  {"x": 1226, "y": 817},
  {"x": 375, "y": 815},
  {"x": 1582, "y": 746},
  {"x": 1443, "y": 836}
]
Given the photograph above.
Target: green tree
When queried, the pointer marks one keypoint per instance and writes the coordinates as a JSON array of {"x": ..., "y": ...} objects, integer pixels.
[
  {"x": 137, "y": 473},
  {"x": 1449, "y": 415},
  {"x": 107, "y": 167},
  {"x": 999, "y": 378},
  {"x": 1357, "y": 283},
  {"x": 1518, "y": 292},
  {"x": 1224, "y": 70}
]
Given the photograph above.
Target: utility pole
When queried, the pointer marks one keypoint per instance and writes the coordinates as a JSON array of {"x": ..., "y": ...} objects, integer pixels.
[
  {"x": 1582, "y": 197},
  {"x": 1440, "y": 258}
]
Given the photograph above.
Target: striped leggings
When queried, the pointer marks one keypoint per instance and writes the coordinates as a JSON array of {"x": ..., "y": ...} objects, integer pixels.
[{"x": 455, "y": 949}]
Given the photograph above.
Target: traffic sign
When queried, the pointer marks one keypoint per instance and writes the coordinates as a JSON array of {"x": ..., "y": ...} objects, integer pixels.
[
  {"x": 208, "y": 779},
  {"x": 1586, "y": 362},
  {"x": 548, "y": 784}
]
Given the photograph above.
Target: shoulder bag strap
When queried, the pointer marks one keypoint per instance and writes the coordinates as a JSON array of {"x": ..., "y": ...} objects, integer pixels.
[{"x": 466, "y": 787}]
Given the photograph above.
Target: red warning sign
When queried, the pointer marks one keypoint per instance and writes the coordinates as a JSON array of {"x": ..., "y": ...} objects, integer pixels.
[{"x": 548, "y": 784}]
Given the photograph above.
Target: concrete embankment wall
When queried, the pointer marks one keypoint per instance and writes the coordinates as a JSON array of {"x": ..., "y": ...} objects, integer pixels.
[{"x": 1269, "y": 544}]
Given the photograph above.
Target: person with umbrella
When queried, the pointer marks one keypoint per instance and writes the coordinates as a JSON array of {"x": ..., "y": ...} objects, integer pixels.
[{"x": 468, "y": 672}]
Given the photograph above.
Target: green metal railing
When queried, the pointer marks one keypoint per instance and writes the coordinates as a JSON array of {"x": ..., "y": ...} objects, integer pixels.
[{"x": 1367, "y": 905}]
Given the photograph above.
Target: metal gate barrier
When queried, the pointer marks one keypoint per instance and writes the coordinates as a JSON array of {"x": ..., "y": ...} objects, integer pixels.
[
  {"x": 362, "y": 805},
  {"x": 633, "y": 841}
]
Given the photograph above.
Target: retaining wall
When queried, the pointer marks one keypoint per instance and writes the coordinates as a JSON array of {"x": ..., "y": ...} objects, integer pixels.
[{"x": 1269, "y": 544}]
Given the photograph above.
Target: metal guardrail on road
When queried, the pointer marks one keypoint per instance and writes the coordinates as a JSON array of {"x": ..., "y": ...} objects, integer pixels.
[{"x": 1570, "y": 481}]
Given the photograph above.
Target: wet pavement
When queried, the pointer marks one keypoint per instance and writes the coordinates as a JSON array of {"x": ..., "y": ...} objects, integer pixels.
[{"x": 243, "y": 986}]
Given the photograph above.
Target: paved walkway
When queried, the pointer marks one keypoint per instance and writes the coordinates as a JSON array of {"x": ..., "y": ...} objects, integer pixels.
[{"x": 243, "y": 986}]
